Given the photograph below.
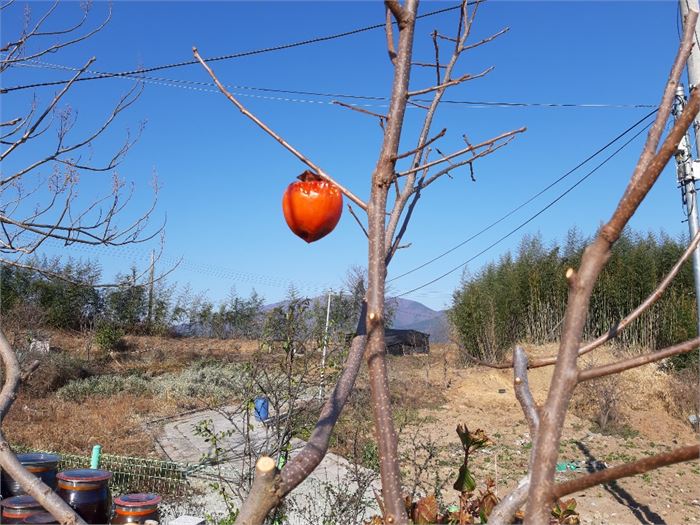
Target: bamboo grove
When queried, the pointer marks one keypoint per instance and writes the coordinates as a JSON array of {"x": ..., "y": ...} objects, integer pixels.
[{"x": 522, "y": 296}]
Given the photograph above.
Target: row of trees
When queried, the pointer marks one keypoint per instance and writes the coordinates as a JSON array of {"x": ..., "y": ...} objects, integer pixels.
[
  {"x": 523, "y": 296},
  {"x": 77, "y": 303}
]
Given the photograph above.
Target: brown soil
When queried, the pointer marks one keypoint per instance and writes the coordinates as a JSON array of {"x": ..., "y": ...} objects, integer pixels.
[{"x": 669, "y": 495}]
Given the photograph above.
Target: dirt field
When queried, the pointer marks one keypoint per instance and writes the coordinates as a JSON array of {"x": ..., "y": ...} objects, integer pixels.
[
  {"x": 669, "y": 495},
  {"x": 433, "y": 395}
]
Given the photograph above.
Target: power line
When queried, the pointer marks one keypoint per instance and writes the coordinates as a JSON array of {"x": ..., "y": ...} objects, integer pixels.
[
  {"x": 218, "y": 272},
  {"x": 210, "y": 87},
  {"x": 528, "y": 201},
  {"x": 231, "y": 55},
  {"x": 531, "y": 218}
]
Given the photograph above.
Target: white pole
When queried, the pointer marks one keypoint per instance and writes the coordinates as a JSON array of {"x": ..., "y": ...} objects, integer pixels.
[
  {"x": 686, "y": 168},
  {"x": 325, "y": 347}
]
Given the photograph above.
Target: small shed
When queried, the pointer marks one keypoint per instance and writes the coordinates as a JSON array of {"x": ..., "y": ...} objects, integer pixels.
[
  {"x": 402, "y": 342},
  {"x": 406, "y": 342}
]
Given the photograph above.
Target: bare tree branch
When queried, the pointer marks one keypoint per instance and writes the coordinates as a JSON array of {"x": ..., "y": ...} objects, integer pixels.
[
  {"x": 621, "y": 366},
  {"x": 487, "y": 39},
  {"x": 460, "y": 152},
  {"x": 505, "y": 510},
  {"x": 422, "y": 146},
  {"x": 357, "y": 219},
  {"x": 581, "y": 285},
  {"x": 382, "y": 118},
  {"x": 449, "y": 83},
  {"x": 274, "y": 135},
  {"x": 523, "y": 393},
  {"x": 436, "y": 46},
  {"x": 687, "y": 453},
  {"x": 395, "y": 7},
  {"x": 32, "y": 128},
  {"x": 389, "y": 30},
  {"x": 446, "y": 158}
]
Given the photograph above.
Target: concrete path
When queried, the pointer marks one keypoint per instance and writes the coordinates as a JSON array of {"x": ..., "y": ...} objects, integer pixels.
[{"x": 331, "y": 485}]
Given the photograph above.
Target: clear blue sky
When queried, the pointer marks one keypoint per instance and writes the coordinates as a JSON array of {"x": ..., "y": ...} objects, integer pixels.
[{"x": 222, "y": 178}]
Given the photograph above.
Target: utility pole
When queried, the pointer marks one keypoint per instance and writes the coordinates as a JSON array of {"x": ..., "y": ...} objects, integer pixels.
[
  {"x": 685, "y": 166},
  {"x": 150, "y": 289}
]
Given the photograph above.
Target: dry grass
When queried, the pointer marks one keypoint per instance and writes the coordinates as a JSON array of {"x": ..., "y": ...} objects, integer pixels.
[{"x": 116, "y": 424}]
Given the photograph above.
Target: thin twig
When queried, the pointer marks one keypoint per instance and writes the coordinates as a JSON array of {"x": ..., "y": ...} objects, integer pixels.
[
  {"x": 461, "y": 152},
  {"x": 274, "y": 135},
  {"x": 487, "y": 39},
  {"x": 381, "y": 117},
  {"x": 359, "y": 222},
  {"x": 449, "y": 83},
  {"x": 422, "y": 146}
]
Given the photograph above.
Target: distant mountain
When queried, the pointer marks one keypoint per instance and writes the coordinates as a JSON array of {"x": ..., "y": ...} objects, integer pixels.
[
  {"x": 416, "y": 316},
  {"x": 409, "y": 315}
]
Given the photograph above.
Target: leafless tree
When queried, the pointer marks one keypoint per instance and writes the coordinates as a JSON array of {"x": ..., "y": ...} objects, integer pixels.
[
  {"x": 386, "y": 225},
  {"x": 39, "y": 191},
  {"x": 538, "y": 488},
  {"x": 44, "y": 157}
]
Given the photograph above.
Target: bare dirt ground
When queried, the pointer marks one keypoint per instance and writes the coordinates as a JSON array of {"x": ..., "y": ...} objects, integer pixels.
[
  {"x": 432, "y": 395},
  {"x": 475, "y": 396}
]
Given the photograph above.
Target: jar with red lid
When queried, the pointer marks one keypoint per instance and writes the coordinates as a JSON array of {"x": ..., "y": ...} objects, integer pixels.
[
  {"x": 41, "y": 518},
  {"x": 136, "y": 508},
  {"x": 87, "y": 492},
  {"x": 17, "y": 508},
  {"x": 42, "y": 465}
]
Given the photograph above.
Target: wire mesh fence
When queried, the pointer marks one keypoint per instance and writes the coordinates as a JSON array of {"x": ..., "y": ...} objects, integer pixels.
[{"x": 133, "y": 474}]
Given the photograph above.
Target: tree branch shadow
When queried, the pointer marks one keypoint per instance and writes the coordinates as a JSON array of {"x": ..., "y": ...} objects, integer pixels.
[{"x": 642, "y": 512}]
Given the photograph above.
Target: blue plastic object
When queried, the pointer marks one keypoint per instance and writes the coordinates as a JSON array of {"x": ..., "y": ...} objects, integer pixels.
[{"x": 262, "y": 408}]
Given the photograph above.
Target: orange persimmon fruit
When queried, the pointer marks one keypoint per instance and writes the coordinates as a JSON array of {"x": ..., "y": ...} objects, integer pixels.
[{"x": 312, "y": 206}]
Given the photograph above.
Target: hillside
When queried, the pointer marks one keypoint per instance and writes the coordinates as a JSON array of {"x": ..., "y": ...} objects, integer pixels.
[
  {"x": 414, "y": 315},
  {"x": 408, "y": 315}
]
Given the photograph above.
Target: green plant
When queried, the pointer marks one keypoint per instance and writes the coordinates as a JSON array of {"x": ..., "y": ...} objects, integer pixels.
[
  {"x": 564, "y": 512},
  {"x": 109, "y": 337}
]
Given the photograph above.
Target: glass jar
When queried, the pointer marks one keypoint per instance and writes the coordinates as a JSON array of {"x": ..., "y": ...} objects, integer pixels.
[
  {"x": 17, "y": 508},
  {"x": 42, "y": 465},
  {"x": 87, "y": 492},
  {"x": 43, "y": 518},
  {"x": 136, "y": 508}
]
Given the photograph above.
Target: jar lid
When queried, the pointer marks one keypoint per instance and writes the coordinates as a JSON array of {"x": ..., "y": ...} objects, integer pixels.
[
  {"x": 37, "y": 458},
  {"x": 20, "y": 502},
  {"x": 138, "y": 500},
  {"x": 84, "y": 475},
  {"x": 41, "y": 517}
]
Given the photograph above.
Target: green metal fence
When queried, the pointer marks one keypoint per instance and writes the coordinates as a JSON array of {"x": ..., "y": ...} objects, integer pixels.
[{"x": 133, "y": 474}]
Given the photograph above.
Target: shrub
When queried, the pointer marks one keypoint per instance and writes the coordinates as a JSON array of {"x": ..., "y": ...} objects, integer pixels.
[
  {"x": 103, "y": 386},
  {"x": 202, "y": 380},
  {"x": 56, "y": 370},
  {"x": 109, "y": 337},
  {"x": 683, "y": 398}
]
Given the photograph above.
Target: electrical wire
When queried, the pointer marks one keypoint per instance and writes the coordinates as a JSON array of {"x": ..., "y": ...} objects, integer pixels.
[
  {"x": 219, "y": 272},
  {"x": 531, "y": 218},
  {"x": 210, "y": 87},
  {"x": 230, "y": 56},
  {"x": 529, "y": 200}
]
